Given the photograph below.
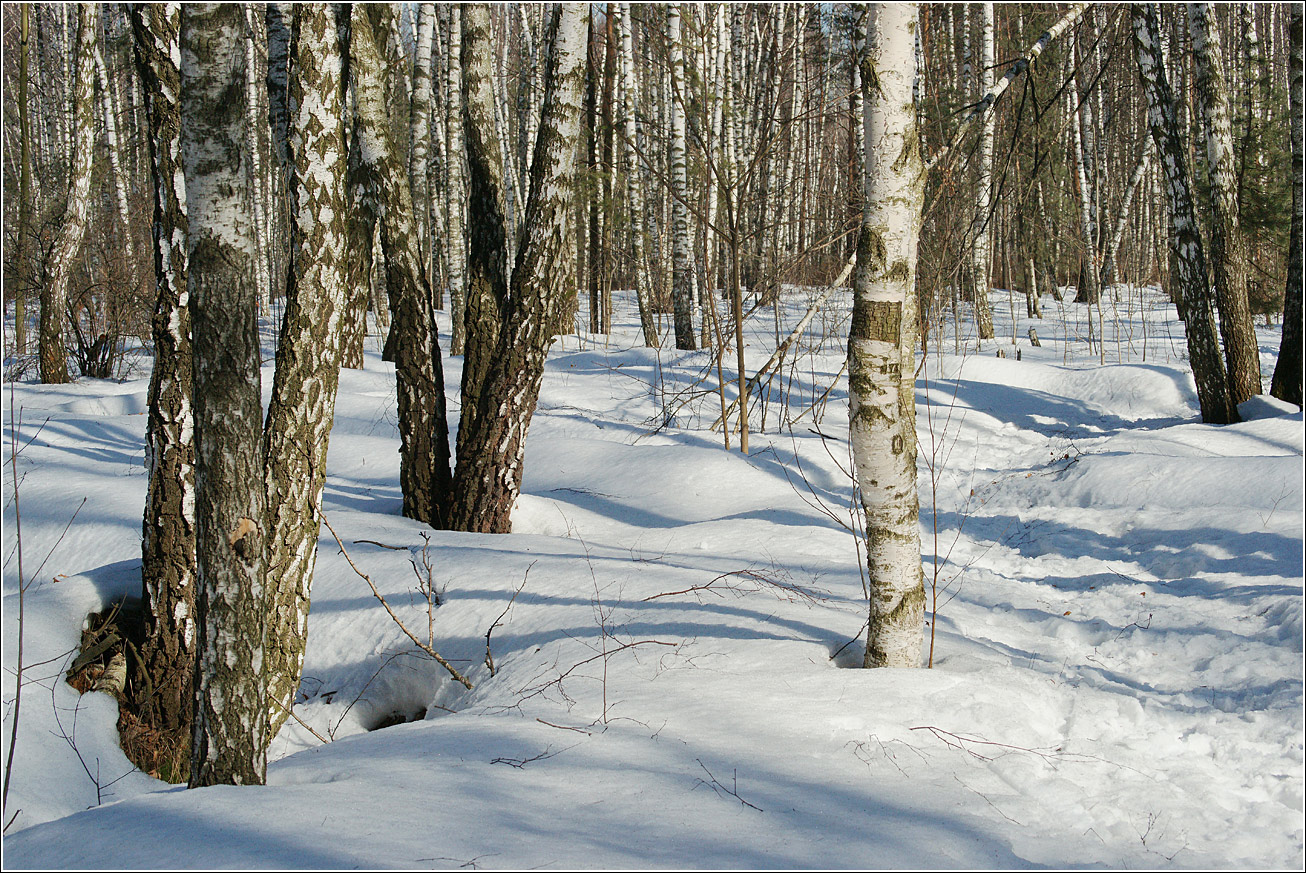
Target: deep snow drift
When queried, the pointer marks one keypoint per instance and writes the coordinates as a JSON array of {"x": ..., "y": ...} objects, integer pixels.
[{"x": 1117, "y": 674}]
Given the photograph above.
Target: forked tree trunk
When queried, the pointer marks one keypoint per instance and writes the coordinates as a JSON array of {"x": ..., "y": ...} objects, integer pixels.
[
  {"x": 881, "y": 340},
  {"x": 487, "y": 224},
  {"x": 491, "y": 454},
  {"x": 230, "y": 704},
  {"x": 54, "y": 294},
  {"x": 1228, "y": 253},
  {"x": 1286, "y": 384},
  {"x": 308, "y": 355},
  {"x": 168, "y": 571},
  {"x": 1190, "y": 260}
]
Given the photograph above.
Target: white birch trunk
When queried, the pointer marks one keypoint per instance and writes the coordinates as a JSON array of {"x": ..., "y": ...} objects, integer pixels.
[
  {"x": 1186, "y": 242},
  {"x": 54, "y": 296},
  {"x": 230, "y": 702},
  {"x": 456, "y": 246},
  {"x": 108, "y": 112},
  {"x": 308, "y": 355},
  {"x": 420, "y": 134},
  {"x": 634, "y": 181},
  {"x": 982, "y": 253},
  {"x": 881, "y": 347},
  {"x": 682, "y": 291},
  {"x": 1228, "y": 262}
]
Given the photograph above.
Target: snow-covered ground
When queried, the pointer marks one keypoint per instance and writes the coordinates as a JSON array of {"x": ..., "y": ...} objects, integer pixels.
[{"x": 1117, "y": 643}]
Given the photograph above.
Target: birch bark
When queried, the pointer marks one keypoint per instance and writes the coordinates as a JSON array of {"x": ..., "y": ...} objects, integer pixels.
[
  {"x": 230, "y": 703},
  {"x": 1287, "y": 381},
  {"x": 682, "y": 290},
  {"x": 982, "y": 252},
  {"x": 424, "y": 476},
  {"x": 308, "y": 356},
  {"x": 487, "y": 222},
  {"x": 490, "y": 457},
  {"x": 54, "y": 295},
  {"x": 1228, "y": 255},
  {"x": 881, "y": 348},
  {"x": 634, "y": 186},
  {"x": 168, "y": 571},
  {"x": 455, "y": 242},
  {"x": 1186, "y": 243}
]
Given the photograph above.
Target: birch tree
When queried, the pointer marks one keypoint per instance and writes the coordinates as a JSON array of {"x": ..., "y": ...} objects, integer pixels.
[
  {"x": 168, "y": 568},
  {"x": 1287, "y": 381},
  {"x": 20, "y": 279},
  {"x": 488, "y": 226},
  {"x": 424, "y": 475},
  {"x": 982, "y": 253},
  {"x": 230, "y": 704},
  {"x": 455, "y": 242},
  {"x": 682, "y": 293},
  {"x": 420, "y": 135},
  {"x": 1186, "y": 243},
  {"x": 634, "y": 188},
  {"x": 54, "y": 293},
  {"x": 113, "y": 147},
  {"x": 1228, "y": 257},
  {"x": 881, "y": 347},
  {"x": 303, "y": 401},
  {"x": 490, "y": 456}
]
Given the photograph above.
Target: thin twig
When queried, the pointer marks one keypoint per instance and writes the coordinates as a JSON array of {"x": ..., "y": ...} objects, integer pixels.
[
  {"x": 489, "y": 658},
  {"x": 382, "y": 545},
  {"x": 291, "y": 712},
  {"x": 377, "y": 594}
]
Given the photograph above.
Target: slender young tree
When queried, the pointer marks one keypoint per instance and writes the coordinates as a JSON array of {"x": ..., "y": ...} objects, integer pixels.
[
  {"x": 54, "y": 293},
  {"x": 1186, "y": 243},
  {"x": 303, "y": 402},
  {"x": 456, "y": 247},
  {"x": 420, "y": 135},
  {"x": 634, "y": 186},
  {"x": 168, "y": 542},
  {"x": 982, "y": 251},
  {"x": 230, "y": 701},
  {"x": 113, "y": 148},
  {"x": 881, "y": 339},
  {"x": 682, "y": 271},
  {"x": 20, "y": 280}
]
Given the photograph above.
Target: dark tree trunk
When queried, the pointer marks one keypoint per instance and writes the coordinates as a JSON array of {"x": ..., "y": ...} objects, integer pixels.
[
  {"x": 486, "y": 279},
  {"x": 168, "y": 570},
  {"x": 1287, "y": 382},
  {"x": 491, "y": 452}
]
